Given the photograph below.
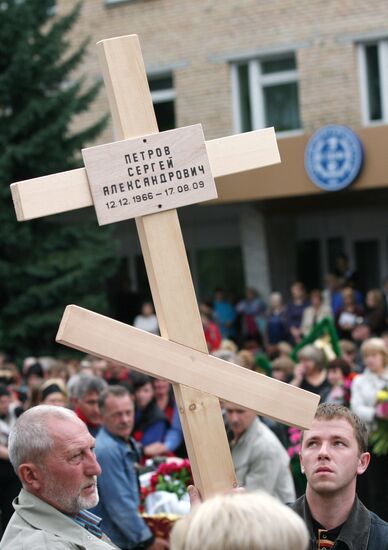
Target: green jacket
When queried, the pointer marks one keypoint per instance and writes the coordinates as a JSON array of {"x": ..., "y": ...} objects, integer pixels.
[{"x": 36, "y": 525}]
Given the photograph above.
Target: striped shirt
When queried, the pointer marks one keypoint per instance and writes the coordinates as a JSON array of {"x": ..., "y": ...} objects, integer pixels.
[{"x": 90, "y": 522}]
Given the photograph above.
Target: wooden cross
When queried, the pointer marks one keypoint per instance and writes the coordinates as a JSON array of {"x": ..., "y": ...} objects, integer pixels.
[{"x": 170, "y": 281}]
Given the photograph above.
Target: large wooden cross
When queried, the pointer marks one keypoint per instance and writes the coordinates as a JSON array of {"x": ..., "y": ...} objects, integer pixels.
[{"x": 197, "y": 378}]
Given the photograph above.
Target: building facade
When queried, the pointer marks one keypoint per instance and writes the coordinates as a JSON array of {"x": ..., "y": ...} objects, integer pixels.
[{"x": 236, "y": 66}]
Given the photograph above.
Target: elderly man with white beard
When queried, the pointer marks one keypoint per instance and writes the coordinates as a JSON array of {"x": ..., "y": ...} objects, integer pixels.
[{"x": 52, "y": 452}]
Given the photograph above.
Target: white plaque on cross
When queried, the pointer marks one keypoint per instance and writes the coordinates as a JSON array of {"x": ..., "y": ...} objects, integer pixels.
[{"x": 135, "y": 177}]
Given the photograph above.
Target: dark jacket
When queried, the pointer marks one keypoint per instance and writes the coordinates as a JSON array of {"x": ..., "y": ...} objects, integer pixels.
[
  {"x": 363, "y": 530},
  {"x": 151, "y": 424}
]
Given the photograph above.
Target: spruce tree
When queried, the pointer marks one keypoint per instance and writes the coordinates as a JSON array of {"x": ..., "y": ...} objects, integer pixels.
[{"x": 44, "y": 264}]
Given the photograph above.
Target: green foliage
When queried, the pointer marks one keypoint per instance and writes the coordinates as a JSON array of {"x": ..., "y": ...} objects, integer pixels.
[
  {"x": 44, "y": 264},
  {"x": 379, "y": 438}
]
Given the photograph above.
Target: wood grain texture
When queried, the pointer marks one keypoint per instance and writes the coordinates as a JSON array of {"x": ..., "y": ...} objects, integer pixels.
[
  {"x": 52, "y": 194},
  {"x": 243, "y": 152},
  {"x": 112, "y": 340},
  {"x": 57, "y": 193},
  {"x": 168, "y": 271}
]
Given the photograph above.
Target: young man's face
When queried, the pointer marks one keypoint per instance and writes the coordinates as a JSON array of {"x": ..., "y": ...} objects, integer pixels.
[{"x": 330, "y": 456}]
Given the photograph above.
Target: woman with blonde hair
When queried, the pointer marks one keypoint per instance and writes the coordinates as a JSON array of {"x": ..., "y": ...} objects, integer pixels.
[
  {"x": 243, "y": 521},
  {"x": 363, "y": 402}
]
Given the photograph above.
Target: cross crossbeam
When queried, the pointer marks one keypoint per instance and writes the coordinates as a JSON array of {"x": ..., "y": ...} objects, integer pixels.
[
  {"x": 70, "y": 190},
  {"x": 115, "y": 341}
]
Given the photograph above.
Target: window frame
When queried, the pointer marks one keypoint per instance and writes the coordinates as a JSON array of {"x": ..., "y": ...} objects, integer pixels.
[
  {"x": 257, "y": 81},
  {"x": 110, "y": 3},
  {"x": 165, "y": 95},
  {"x": 382, "y": 52}
]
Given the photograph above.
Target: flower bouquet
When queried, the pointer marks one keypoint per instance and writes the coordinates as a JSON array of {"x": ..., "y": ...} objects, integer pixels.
[
  {"x": 173, "y": 477},
  {"x": 165, "y": 497},
  {"x": 379, "y": 438}
]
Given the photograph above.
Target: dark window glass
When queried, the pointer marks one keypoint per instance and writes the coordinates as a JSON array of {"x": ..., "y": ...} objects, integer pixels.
[
  {"x": 245, "y": 100},
  {"x": 164, "y": 110},
  {"x": 157, "y": 83},
  {"x": 165, "y": 115},
  {"x": 281, "y": 106},
  {"x": 276, "y": 65},
  {"x": 373, "y": 78}
]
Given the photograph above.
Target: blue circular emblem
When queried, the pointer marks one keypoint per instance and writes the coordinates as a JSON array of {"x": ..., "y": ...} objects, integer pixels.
[{"x": 333, "y": 157}]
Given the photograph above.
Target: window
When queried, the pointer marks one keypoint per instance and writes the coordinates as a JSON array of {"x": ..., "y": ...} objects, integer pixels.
[
  {"x": 163, "y": 97},
  {"x": 265, "y": 93},
  {"x": 373, "y": 63}
]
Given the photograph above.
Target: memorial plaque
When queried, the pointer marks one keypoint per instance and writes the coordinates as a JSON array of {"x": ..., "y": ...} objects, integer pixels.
[{"x": 157, "y": 172}]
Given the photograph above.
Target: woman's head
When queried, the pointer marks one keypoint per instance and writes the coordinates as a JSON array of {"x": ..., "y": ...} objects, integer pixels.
[
  {"x": 143, "y": 390},
  {"x": 241, "y": 520},
  {"x": 53, "y": 392},
  {"x": 348, "y": 297},
  {"x": 298, "y": 291},
  {"x": 375, "y": 354},
  {"x": 316, "y": 298},
  {"x": 348, "y": 351},
  {"x": 283, "y": 368},
  {"x": 275, "y": 300},
  {"x": 147, "y": 309},
  {"x": 374, "y": 298},
  {"x": 337, "y": 370},
  {"x": 312, "y": 358},
  {"x": 161, "y": 387}
]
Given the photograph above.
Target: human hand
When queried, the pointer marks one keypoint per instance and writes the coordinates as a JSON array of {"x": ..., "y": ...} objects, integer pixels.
[
  {"x": 194, "y": 495},
  {"x": 155, "y": 449},
  {"x": 159, "y": 544},
  {"x": 299, "y": 372}
]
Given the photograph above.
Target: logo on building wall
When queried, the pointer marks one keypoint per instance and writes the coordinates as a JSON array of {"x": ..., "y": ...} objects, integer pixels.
[{"x": 333, "y": 157}]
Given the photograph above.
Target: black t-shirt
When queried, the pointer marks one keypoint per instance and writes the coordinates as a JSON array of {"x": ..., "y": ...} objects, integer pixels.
[
  {"x": 325, "y": 538},
  {"x": 323, "y": 389}
]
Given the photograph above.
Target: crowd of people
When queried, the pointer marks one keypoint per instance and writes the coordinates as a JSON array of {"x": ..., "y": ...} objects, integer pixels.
[{"x": 135, "y": 418}]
